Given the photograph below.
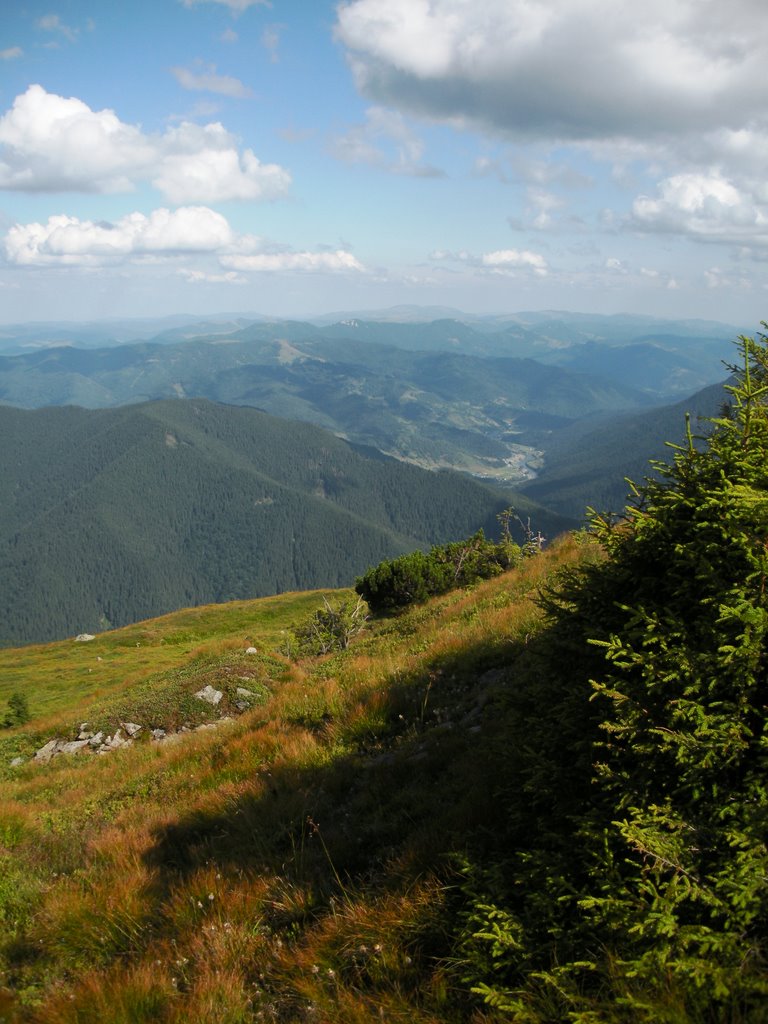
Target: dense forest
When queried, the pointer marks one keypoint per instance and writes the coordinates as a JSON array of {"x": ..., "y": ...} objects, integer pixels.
[{"x": 110, "y": 516}]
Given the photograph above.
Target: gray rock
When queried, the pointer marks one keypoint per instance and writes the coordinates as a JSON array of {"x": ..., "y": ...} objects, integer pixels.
[
  {"x": 251, "y": 650},
  {"x": 84, "y": 637},
  {"x": 72, "y": 747},
  {"x": 158, "y": 734},
  {"x": 17, "y": 761},
  {"x": 96, "y": 740},
  {"x": 131, "y": 728},
  {"x": 242, "y": 692},
  {"x": 209, "y": 694},
  {"x": 44, "y": 754}
]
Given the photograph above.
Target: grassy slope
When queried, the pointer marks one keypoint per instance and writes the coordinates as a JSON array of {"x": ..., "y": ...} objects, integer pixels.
[{"x": 290, "y": 865}]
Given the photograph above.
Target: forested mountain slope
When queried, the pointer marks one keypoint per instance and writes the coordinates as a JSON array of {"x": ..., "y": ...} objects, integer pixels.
[
  {"x": 488, "y": 416},
  {"x": 109, "y": 516},
  {"x": 591, "y": 464}
]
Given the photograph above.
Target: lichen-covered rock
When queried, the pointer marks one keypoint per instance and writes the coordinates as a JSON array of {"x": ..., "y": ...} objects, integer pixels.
[
  {"x": 72, "y": 747},
  {"x": 44, "y": 754},
  {"x": 209, "y": 694},
  {"x": 84, "y": 637}
]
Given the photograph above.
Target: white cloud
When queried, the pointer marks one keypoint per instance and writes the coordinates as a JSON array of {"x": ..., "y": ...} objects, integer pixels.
[
  {"x": 67, "y": 240},
  {"x": 201, "y": 277},
  {"x": 202, "y": 165},
  {"x": 11, "y": 53},
  {"x": 301, "y": 261},
  {"x": 510, "y": 259},
  {"x": 500, "y": 261},
  {"x": 188, "y": 232},
  {"x": 705, "y": 206},
  {"x": 209, "y": 81},
  {"x": 384, "y": 140},
  {"x": 52, "y": 144},
  {"x": 580, "y": 70},
  {"x": 53, "y": 23}
]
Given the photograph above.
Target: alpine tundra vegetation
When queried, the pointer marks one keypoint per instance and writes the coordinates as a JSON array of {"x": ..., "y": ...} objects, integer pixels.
[{"x": 540, "y": 797}]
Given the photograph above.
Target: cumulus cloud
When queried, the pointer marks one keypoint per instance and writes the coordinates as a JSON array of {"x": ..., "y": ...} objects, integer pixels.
[
  {"x": 50, "y": 143},
  {"x": 208, "y": 80},
  {"x": 705, "y": 206},
  {"x": 67, "y": 240},
  {"x": 386, "y": 141},
  {"x": 564, "y": 69},
  {"x": 190, "y": 231},
  {"x": 500, "y": 261}
]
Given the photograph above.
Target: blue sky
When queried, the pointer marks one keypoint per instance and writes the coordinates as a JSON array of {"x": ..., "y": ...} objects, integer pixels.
[{"x": 291, "y": 158}]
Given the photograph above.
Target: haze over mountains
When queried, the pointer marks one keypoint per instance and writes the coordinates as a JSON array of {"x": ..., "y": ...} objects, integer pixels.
[
  {"x": 158, "y": 498},
  {"x": 486, "y": 396}
]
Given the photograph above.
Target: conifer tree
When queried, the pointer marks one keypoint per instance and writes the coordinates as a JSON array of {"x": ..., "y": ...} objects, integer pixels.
[{"x": 634, "y": 887}]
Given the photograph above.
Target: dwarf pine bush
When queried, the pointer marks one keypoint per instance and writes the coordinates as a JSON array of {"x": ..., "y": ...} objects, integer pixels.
[{"x": 414, "y": 577}]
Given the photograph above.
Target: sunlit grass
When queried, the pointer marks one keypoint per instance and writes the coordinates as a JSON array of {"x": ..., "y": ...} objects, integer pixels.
[{"x": 288, "y": 865}]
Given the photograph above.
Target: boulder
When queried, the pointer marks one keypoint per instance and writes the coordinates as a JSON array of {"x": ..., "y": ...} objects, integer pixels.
[
  {"x": 72, "y": 747},
  {"x": 131, "y": 728},
  {"x": 17, "y": 761},
  {"x": 84, "y": 637},
  {"x": 251, "y": 650},
  {"x": 209, "y": 694},
  {"x": 44, "y": 754},
  {"x": 242, "y": 692}
]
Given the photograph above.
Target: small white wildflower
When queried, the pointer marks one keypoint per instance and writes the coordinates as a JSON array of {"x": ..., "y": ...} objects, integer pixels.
[{"x": 210, "y": 895}]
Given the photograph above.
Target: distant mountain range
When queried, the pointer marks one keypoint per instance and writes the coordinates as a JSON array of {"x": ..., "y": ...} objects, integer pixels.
[
  {"x": 139, "y": 477},
  {"x": 693, "y": 347},
  {"x": 490, "y": 416},
  {"x": 441, "y": 394},
  {"x": 111, "y": 516}
]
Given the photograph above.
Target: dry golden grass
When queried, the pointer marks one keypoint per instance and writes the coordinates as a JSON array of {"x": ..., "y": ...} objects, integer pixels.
[{"x": 287, "y": 866}]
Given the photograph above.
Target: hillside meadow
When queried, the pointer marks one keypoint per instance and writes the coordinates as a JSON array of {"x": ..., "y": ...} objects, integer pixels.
[{"x": 295, "y": 863}]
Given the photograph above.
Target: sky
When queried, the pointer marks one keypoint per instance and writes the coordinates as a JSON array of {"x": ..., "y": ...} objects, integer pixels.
[{"x": 296, "y": 157}]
